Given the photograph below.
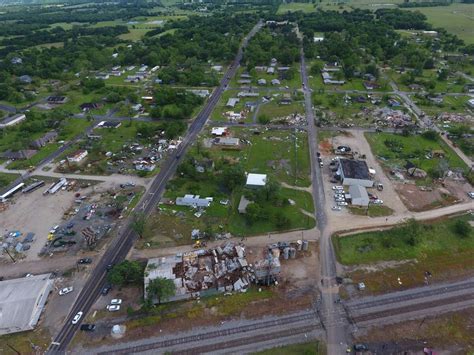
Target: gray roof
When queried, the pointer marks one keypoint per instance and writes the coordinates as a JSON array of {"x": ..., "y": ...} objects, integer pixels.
[
  {"x": 355, "y": 169},
  {"x": 22, "y": 301},
  {"x": 357, "y": 191}
]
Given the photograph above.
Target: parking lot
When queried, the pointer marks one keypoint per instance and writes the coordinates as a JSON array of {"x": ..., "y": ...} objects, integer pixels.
[{"x": 359, "y": 147}]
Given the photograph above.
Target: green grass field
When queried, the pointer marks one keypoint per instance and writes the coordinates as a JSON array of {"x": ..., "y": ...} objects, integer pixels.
[
  {"x": 310, "y": 348},
  {"x": 395, "y": 244},
  {"x": 413, "y": 148},
  {"x": 457, "y": 19},
  {"x": 7, "y": 179}
]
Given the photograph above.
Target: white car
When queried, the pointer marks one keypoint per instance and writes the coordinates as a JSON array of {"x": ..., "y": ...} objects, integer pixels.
[
  {"x": 342, "y": 203},
  {"x": 113, "y": 307},
  {"x": 336, "y": 187},
  {"x": 336, "y": 208},
  {"x": 377, "y": 202},
  {"x": 77, "y": 317},
  {"x": 339, "y": 195},
  {"x": 116, "y": 301},
  {"x": 471, "y": 194},
  {"x": 65, "y": 290}
]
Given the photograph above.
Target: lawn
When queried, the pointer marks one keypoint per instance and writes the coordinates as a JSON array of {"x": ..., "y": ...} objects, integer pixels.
[
  {"x": 455, "y": 18},
  {"x": 273, "y": 109},
  {"x": 7, "y": 179},
  {"x": 432, "y": 239},
  {"x": 454, "y": 104},
  {"x": 413, "y": 148},
  {"x": 21, "y": 343},
  {"x": 436, "y": 248},
  {"x": 371, "y": 211},
  {"x": 296, "y": 6},
  {"x": 309, "y": 348}
]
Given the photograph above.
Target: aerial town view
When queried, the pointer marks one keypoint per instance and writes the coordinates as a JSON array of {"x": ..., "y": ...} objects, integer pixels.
[{"x": 237, "y": 177}]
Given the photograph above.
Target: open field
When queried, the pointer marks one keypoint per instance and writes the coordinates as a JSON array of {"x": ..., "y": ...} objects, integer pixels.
[
  {"x": 457, "y": 19},
  {"x": 414, "y": 148},
  {"x": 22, "y": 343},
  {"x": 379, "y": 258},
  {"x": 310, "y": 348},
  {"x": 7, "y": 179}
]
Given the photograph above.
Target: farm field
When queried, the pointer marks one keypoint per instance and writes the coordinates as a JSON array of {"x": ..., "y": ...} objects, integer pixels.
[{"x": 457, "y": 19}]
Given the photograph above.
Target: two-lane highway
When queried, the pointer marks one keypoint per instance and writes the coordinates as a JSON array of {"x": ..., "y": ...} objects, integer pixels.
[{"x": 119, "y": 248}]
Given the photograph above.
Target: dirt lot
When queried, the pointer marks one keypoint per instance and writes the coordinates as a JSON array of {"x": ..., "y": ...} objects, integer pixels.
[{"x": 418, "y": 200}]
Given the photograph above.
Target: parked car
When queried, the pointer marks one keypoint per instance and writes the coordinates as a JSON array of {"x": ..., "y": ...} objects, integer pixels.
[
  {"x": 361, "y": 286},
  {"x": 113, "y": 307},
  {"x": 77, "y": 317},
  {"x": 361, "y": 347},
  {"x": 85, "y": 261},
  {"x": 338, "y": 187},
  {"x": 88, "y": 327},
  {"x": 377, "y": 202},
  {"x": 336, "y": 208},
  {"x": 65, "y": 290},
  {"x": 106, "y": 289},
  {"x": 471, "y": 194},
  {"x": 116, "y": 301},
  {"x": 342, "y": 203}
]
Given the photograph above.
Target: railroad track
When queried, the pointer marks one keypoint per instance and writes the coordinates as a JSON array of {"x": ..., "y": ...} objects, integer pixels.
[
  {"x": 413, "y": 295},
  {"x": 222, "y": 333},
  {"x": 412, "y": 307}
]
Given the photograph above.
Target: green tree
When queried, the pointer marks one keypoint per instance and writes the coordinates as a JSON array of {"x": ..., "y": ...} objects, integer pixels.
[
  {"x": 139, "y": 223},
  {"x": 462, "y": 228},
  {"x": 161, "y": 288},
  {"x": 126, "y": 273}
]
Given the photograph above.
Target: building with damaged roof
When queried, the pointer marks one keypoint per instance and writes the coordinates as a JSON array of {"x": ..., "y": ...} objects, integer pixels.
[{"x": 203, "y": 272}]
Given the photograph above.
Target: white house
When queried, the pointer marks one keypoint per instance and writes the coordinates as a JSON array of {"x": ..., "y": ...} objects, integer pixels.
[
  {"x": 193, "y": 201},
  {"x": 13, "y": 120},
  {"x": 256, "y": 180},
  {"x": 77, "y": 157},
  {"x": 470, "y": 103}
]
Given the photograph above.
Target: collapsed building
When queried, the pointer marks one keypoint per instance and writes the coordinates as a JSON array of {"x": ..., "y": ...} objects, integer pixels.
[{"x": 206, "y": 272}]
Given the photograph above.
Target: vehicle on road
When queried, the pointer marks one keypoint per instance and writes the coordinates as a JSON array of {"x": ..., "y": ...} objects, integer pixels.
[
  {"x": 88, "y": 327},
  {"x": 336, "y": 208},
  {"x": 65, "y": 290},
  {"x": 77, "y": 318},
  {"x": 85, "y": 261},
  {"x": 116, "y": 301},
  {"x": 113, "y": 307},
  {"x": 106, "y": 289},
  {"x": 109, "y": 267}
]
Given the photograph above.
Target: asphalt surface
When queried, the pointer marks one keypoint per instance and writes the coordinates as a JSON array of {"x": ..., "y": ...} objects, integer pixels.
[
  {"x": 337, "y": 335},
  {"x": 119, "y": 248}
]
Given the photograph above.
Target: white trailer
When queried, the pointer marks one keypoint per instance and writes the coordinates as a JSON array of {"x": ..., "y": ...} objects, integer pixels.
[
  {"x": 57, "y": 186},
  {"x": 10, "y": 192}
]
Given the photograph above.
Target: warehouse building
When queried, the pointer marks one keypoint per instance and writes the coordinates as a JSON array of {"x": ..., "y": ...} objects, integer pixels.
[
  {"x": 359, "y": 196},
  {"x": 354, "y": 172}
]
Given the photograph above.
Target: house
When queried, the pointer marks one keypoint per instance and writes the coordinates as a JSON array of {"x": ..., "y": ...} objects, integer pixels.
[
  {"x": 261, "y": 82},
  {"x": 137, "y": 107},
  {"x": 415, "y": 87},
  {"x": 12, "y": 120},
  {"x": 145, "y": 167},
  {"x": 262, "y": 68},
  {"x": 327, "y": 79},
  {"x": 243, "y": 204},
  {"x": 354, "y": 172},
  {"x": 429, "y": 33},
  {"x": 56, "y": 100},
  {"x": 248, "y": 94},
  {"x": 19, "y": 155},
  {"x": 245, "y": 76},
  {"x": 77, "y": 157},
  {"x": 16, "y": 60},
  {"x": 285, "y": 101},
  {"x": 232, "y": 102},
  {"x": 437, "y": 100},
  {"x": 273, "y": 62},
  {"x": 200, "y": 93},
  {"x": 102, "y": 76},
  {"x": 219, "y": 131},
  {"x": 318, "y": 39},
  {"x": 227, "y": 141},
  {"x": 25, "y": 79},
  {"x": 470, "y": 103},
  {"x": 43, "y": 141},
  {"x": 155, "y": 68},
  {"x": 109, "y": 124},
  {"x": 275, "y": 82},
  {"x": 393, "y": 103},
  {"x": 116, "y": 73},
  {"x": 244, "y": 81},
  {"x": 217, "y": 68},
  {"x": 283, "y": 68},
  {"x": 87, "y": 106},
  {"x": 359, "y": 196},
  {"x": 370, "y": 85},
  {"x": 256, "y": 180},
  {"x": 193, "y": 201},
  {"x": 270, "y": 70}
]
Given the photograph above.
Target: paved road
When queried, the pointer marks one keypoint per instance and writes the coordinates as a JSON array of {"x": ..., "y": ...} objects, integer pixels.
[
  {"x": 119, "y": 248},
  {"x": 337, "y": 337}
]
